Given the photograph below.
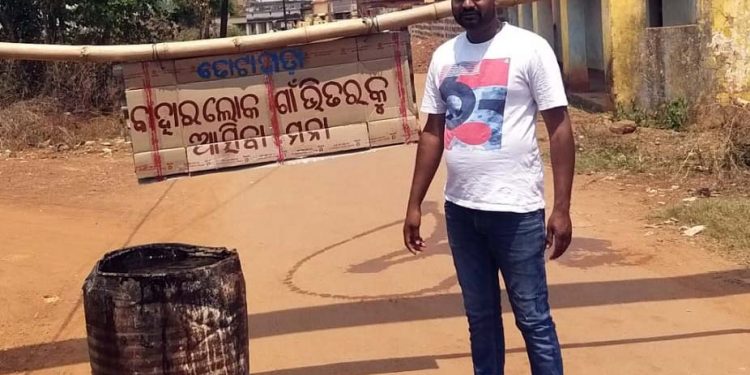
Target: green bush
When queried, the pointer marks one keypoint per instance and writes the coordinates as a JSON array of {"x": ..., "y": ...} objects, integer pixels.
[
  {"x": 88, "y": 87},
  {"x": 674, "y": 115}
]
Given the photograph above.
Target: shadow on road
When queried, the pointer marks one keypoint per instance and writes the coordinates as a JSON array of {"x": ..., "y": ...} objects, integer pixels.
[
  {"x": 396, "y": 365},
  {"x": 383, "y": 311},
  {"x": 75, "y": 351}
]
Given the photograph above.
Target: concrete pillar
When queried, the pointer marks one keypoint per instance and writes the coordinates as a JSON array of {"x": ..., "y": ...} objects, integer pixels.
[
  {"x": 525, "y": 16},
  {"x": 269, "y": 26},
  {"x": 573, "y": 32},
  {"x": 247, "y": 29},
  {"x": 543, "y": 21}
]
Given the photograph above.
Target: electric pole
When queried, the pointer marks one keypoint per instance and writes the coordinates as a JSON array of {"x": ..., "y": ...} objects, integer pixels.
[
  {"x": 286, "y": 23},
  {"x": 224, "y": 18}
]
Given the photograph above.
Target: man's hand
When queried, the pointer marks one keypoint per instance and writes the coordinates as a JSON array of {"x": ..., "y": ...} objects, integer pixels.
[
  {"x": 429, "y": 153},
  {"x": 412, "y": 239},
  {"x": 559, "y": 233},
  {"x": 563, "y": 155}
]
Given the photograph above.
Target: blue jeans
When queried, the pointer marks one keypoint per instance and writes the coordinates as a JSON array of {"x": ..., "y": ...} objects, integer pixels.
[{"x": 484, "y": 243}]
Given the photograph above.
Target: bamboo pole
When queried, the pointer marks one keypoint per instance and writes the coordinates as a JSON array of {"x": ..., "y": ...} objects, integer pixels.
[{"x": 208, "y": 47}]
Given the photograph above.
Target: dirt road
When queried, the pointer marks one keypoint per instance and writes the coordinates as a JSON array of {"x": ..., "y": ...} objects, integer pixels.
[{"x": 331, "y": 289}]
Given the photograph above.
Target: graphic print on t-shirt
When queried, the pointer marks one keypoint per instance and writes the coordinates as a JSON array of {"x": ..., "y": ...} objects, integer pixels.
[{"x": 475, "y": 93}]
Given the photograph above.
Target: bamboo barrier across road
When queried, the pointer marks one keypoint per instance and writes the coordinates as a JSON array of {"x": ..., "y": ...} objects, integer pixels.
[{"x": 209, "y": 47}]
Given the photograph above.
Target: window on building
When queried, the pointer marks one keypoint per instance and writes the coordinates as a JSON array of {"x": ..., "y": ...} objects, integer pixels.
[{"x": 671, "y": 12}]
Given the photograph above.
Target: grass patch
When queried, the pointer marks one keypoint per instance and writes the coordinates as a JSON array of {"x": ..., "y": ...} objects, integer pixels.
[
  {"x": 719, "y": 148},
  {"x": 727, "y": 221},
  {"x": 608, "y": 159},
  {"x": 598, "y": 150},
  {"x": 42, "y": 123}
]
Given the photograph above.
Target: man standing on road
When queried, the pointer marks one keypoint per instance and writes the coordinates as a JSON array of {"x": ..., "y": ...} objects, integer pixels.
[{"x": 482, "y": 95}]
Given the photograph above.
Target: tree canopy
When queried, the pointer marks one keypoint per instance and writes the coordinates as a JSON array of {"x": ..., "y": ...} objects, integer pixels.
[{"x": 102, "y": 21}]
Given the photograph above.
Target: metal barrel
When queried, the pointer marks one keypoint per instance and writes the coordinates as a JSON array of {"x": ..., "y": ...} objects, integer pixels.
[{"x": 167, "y": 309}]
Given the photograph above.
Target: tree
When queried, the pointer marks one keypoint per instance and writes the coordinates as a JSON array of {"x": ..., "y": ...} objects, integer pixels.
[
  {"x": 119, "y": 21},
  {"x": 103, "y": 21},
  {"x": 20, "y": 21},
  {"x": 87, "y": 22},
  {"x": 197, "y": 14}
]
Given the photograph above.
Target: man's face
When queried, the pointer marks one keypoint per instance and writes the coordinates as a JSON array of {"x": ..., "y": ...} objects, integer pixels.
[{"x": 473, "y": 14}]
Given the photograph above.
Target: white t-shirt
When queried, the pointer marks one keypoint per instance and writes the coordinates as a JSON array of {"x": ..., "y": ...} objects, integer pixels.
[{"x": 490, "y": 93}]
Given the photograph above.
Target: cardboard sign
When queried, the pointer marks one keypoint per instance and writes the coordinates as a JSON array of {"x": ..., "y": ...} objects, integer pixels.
[
  {"x": 278, "y": 61},
  {"x": 379, "y": 46},
  {"x": 392, "y": 131},
  {"x": 160, "y": 73},
  {"x": 209, "y": 113},
  {"x": 153, "y": 119},
  {"x": 333, "y": 96},
  {"x": 231, "y": 154},
  {"x": 223, "y": 111},
  {"x": 325, "y": 141},
  {"x": 161, "y": 163}
]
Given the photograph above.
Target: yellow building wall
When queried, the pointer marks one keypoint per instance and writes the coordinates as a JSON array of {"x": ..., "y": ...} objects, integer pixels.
[
  {"x": 622, "y": 41},
  {"x": 727, "y": 45},
  {"x": 730, "y": 45}
]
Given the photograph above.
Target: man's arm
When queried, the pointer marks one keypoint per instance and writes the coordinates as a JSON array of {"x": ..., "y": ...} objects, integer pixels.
[
  {"x": 562, "y": 151},
  {"x": 429, "y": 154}
]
